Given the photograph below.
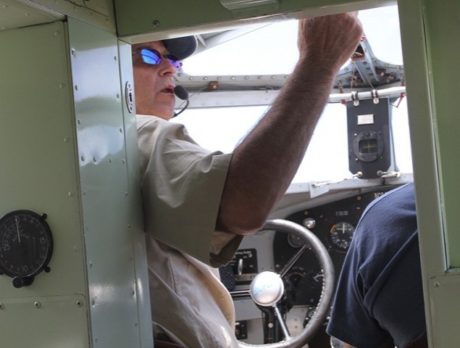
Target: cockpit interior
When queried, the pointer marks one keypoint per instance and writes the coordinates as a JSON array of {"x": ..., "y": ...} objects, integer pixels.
[{"x": 69, "y": 171}]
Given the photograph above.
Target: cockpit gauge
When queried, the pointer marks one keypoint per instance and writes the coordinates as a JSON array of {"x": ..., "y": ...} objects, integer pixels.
[
  {"x": 340, "y": 235},
  {"x": 297, "y": 242},
  {"x": 26, "y": 246}
]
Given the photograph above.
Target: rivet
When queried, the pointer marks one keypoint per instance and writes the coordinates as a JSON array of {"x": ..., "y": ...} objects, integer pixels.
[
  {"x": 437, "y": 284},
  {"x": 70, "y": 194},
  {"x": 155, "y": 23},
  {"x": 37, "y": 304},
  {"x": 73, "y": 52},
  {"x": 2, "y": 306},
  {"x": 123, "y": 161},
  {"x": 118, "y": 96},
  {"x": 114, "y": 57},
  {"x": 66, "y": 140},
  {"x": 78, "y": 303},
  {"x": 76, "y": 87},
  {"x": 121, "y": 130},
  {"x": 82, "y": 158}
]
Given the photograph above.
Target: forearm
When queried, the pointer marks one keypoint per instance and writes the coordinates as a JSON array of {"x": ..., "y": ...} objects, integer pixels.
[{"x": 264, "y": 164}]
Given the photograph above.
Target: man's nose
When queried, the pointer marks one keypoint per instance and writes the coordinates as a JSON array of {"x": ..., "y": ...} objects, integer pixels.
[{"x": 167, "y": 67}]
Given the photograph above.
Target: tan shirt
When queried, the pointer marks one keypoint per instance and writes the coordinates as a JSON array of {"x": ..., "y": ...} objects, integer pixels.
[{"x": 182, "y": 185}]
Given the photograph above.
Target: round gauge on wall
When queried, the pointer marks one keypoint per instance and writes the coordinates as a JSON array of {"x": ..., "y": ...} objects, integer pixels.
[
  {"x": 340, "y": 235},
  {"x": 26, "y": 246}
]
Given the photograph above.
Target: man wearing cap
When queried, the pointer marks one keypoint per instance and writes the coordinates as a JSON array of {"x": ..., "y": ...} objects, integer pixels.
[{"x": 199, "y": 204}]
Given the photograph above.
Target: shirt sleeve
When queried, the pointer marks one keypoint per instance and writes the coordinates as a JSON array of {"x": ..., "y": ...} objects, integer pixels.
[{"x": 182, "y": 185}]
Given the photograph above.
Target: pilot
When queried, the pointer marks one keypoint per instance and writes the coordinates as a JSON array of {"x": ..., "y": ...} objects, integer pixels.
[
  {"x": 379, "y": 297},
  {"x": 199, "y": 204}
]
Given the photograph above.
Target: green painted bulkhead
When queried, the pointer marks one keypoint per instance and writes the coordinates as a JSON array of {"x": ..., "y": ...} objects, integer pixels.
[{"x": 68, "y": 149}]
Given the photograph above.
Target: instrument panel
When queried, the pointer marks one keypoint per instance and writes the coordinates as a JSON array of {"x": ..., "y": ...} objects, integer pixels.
[{"x": 333, "y": 223}]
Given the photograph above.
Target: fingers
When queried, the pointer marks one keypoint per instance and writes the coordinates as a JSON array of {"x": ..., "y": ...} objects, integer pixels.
[
  {"x": 354, "y": 14},
  {"x": 331, "y": 39}
]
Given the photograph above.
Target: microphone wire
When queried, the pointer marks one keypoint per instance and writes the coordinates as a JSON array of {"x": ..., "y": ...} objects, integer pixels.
[{"x": 182, "y": 94}]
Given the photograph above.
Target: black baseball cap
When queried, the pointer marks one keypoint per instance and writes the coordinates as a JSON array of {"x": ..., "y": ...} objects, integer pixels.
[{"x": 181, "y": 47}]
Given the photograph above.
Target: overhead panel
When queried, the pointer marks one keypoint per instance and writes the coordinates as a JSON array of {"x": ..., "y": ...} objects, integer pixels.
[
  {"x": 14, "y": 14},
  {"x": 143, "y": 20},
  {"x": 23, "y": 13}
]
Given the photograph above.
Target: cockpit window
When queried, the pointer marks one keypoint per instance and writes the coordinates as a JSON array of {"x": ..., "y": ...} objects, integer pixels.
[
  {"x": 272, "y": 48},
  {"x": 327, "y": 155},
  {"x": 255, "y": 53}
]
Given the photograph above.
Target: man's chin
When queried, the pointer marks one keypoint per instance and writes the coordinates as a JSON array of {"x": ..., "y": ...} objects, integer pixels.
[
  {"x": 165, "y": 114},
  {"x": 164, "y": 109}
]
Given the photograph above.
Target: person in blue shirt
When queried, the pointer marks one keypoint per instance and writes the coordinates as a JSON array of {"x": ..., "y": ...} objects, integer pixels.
[{"x": 379, "y": 297}]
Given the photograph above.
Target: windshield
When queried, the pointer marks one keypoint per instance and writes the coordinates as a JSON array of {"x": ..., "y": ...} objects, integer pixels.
[{"x": 327, "y": 155}]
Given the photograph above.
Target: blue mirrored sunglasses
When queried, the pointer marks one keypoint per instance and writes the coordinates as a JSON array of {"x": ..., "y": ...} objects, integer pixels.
[{"x": 153, "y": 57}]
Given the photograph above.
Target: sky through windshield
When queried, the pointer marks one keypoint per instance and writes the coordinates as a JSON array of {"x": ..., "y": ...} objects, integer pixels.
[{"x": 327, "y": 155}]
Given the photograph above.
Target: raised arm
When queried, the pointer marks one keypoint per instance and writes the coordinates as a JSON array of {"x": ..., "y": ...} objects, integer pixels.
[{"x": 264, "y": 164}]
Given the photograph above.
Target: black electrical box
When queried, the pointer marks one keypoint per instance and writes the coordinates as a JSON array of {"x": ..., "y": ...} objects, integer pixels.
[{"x": 370, "y": 143}]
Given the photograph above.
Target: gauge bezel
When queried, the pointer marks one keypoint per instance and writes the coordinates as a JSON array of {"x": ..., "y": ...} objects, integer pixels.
[
  {"x": 333, "y": 243},
  {"x": 42, "y": 228}
]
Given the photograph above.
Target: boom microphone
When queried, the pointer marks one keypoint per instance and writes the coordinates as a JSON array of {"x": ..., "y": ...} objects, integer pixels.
[{"x": 182, "y": 94}]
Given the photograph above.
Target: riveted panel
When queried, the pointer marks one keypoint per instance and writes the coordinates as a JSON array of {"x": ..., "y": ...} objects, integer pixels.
[
  {"x": 109, "y": 192},
  {"x": 36, "y": 325},
  {"x": 444, "y": 54},
  {"x": 134, "y": 198},
  {"x": 445, "y": 319},
  {"x": 15, "y": 14},
  {"x": 39, "y": 173}
]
